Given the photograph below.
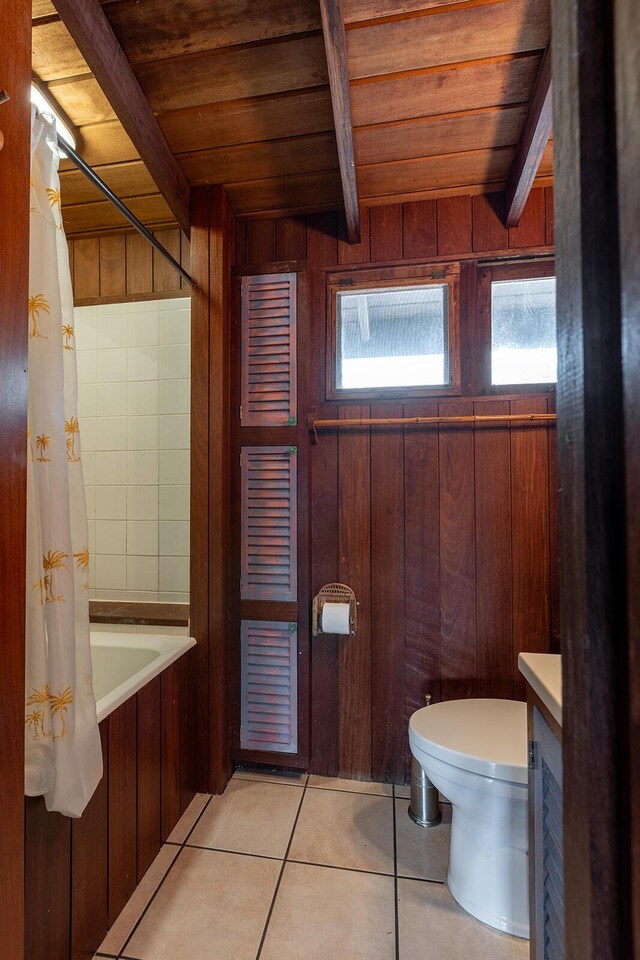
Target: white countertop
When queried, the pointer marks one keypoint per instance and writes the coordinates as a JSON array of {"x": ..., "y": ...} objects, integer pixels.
[{"x": 544, "y": 672}]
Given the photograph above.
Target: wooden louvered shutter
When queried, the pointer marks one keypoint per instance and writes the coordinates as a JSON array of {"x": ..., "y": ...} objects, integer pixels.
[
  {"x": 269, "y": 350},
  {"x": 269, "y": 695},
  {"x": 268, "y": 523},
  {"x": 548, "y": 919}
]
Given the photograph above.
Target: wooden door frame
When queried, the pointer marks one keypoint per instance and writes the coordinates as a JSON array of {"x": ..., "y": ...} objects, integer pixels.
[{"x": 597, "y": 226}]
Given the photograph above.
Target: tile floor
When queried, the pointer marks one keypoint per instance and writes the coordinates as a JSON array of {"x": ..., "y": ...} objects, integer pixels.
[{"x": 302, "y": 868}]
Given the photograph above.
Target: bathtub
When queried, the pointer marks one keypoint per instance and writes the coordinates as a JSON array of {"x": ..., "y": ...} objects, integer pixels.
[{"x": 124, "y": 662}]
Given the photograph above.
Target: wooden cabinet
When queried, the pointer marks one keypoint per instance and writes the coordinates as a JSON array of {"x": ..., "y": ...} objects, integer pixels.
[{"x": 546, "y": 868}]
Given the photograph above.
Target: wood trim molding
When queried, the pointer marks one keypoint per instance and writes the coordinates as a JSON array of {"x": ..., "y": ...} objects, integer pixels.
[
  {"x": 335, "y": 43},
  {"x": 92, "y": 33},
  {"x": 533, "y": 142},
  {"x": 127, "y": 611}
]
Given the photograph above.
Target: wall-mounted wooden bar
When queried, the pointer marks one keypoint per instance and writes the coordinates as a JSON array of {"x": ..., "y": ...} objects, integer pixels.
[{"x": 315, "y": 425}]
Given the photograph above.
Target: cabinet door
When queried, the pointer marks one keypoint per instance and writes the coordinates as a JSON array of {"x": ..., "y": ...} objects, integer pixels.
[{"x": 548, "y": 869}]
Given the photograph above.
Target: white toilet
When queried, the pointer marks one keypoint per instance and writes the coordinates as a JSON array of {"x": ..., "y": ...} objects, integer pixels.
[{"x": 475, "y": 753}]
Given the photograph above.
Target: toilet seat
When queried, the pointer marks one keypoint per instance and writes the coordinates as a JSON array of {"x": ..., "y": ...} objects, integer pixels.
[{"x": 488, "y": 737}]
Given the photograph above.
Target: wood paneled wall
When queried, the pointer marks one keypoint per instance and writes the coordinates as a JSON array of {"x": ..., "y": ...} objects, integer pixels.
[
  {"x": 447, "y": 536},
  {"x": 118, "y": 267},
  {"x": 80, "y": 873}
]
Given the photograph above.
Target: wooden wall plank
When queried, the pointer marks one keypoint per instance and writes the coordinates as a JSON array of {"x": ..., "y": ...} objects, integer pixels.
[
  {"x": 165, "y": 278},
  {"x": 385, "y": 225},
  {"x": 530, "y": 536},
  {"x": 530, "y": 231},
  {"x": 387, "y": 599},
  {"x": 419, "y": 229},
  {"x": 261, "y": 241},
  {"x": 170, "y": 738},
  {"x": 354, "y": 551},
  {"x": 48, "y": 872},
  {"x": 139, "y": 265},
  {"x": 149, "y": 767},
  {"x": 457, "y": 557},
  {"x": 86, "y": 268},
  {"x": 548, "y": 205},
  {"x": 354, "y": 252},
  {"x": 454, "y": 225},
  {"x": 123, "y": 786},
  {"x": 322, "y": 250},
  {"x": 189, "y": 693},
  {"x": 113, "y": 280},
  {"x": 493, "y": 520},
  {"x": 489, "y": 233},
  {"x": 89, "y": 867},
  {"x": 291, "y": 239},
  {"x": 554, "y": 562}
]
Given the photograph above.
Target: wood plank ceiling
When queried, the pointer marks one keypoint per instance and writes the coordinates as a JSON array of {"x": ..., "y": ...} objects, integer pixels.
[{"x": 440, "y": 92}]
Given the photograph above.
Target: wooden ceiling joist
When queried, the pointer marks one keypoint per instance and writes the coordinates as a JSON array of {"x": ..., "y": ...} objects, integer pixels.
[
  {"x": 336, "y": 49},
  {"x": 86, "y": 22},
  {"x": 531, "y": 147}
]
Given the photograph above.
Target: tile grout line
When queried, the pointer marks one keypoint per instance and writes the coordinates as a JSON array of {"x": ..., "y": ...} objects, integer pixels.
[
  {"x": 121, "y": 953},
  {"x": 311, "y": 786},
  {"x": 395, "y": 874},
  {"x": 280, "y": 875}
]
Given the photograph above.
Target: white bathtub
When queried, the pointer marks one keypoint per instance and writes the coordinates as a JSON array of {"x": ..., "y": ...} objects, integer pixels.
[{"x": 125, "y": 662}]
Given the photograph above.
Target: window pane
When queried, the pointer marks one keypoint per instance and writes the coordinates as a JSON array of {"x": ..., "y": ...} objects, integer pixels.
[
  {"x": 394, "y": 337},
  {"x": 523, "y": 331}
]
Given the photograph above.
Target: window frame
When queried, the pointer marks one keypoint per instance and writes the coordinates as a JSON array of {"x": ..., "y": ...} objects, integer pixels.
[
  {"x": 381, "y": 278},
  {"x": 496, "y": 272}
]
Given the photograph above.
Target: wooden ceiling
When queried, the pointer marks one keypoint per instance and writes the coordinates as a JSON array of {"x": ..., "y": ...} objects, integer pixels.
[{"x": 439, "y": 90}]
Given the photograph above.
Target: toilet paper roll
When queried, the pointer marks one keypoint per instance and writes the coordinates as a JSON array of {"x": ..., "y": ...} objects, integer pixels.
[{"x": 335, "y": 618}]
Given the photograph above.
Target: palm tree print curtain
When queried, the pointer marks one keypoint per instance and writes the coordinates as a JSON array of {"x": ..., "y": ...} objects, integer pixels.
[{"x": 63, "y": 753}]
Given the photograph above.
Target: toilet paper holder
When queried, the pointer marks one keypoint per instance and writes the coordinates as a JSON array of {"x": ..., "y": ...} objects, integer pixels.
[{"x": 334, "y": 593}]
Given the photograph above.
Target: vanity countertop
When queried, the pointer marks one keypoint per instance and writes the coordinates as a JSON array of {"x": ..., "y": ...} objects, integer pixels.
[{"x": 543, "y": 671}]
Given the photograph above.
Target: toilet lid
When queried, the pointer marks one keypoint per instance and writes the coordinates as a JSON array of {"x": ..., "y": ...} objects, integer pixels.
[{"x": 488, "y": 737}]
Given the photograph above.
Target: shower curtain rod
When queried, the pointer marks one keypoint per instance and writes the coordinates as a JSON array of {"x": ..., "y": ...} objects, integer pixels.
[{"x": 90, "y": 173}]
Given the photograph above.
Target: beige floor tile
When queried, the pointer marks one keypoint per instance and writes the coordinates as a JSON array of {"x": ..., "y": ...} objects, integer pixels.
[
  {"x": 433, "y": 927},
  {"x": 403, "y": 790},
  {"x": 274, "y": 776},
  {"x": 249, "y": 817},
  {"x": 351, "y": 786},
  {"x": 115, "y": 939},
  {"x": 322, "y": 913},
  {"x": 423, "y": 852},
  {"x": 181, "y": 830},
  {"x": 213, "y": 906},
  {"x": 353, "y": 830}
]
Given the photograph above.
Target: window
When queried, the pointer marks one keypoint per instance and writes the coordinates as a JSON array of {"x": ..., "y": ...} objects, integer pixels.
[
  {"x": 392, "y": 334},
  {"x": 523, "y": 330}
]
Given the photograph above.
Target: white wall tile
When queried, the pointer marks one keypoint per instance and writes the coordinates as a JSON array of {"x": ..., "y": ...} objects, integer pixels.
[
  {"x": 92, "y": 543},
  {"x": 142, "y": 467},
  {"x": 111, "y": 503},
  {"x": 174, "y": 538},
  {"x": 174, "y": 574},
  {"x": 174, "y": 396},
  {"x": 142, "y": 538},
  {"x": 175, "y": 326},
  {"x": 174, "y": 362},
  {"x": 142, "y": 573},
  {"x": 143, "y": 398},
  {"x": 164, "y": 597},
  {"x": 111, "y": 572},
  {"x": 174, "y": 466},
  {"x": 111, "y": 537},
  {"x": 111, "y": 433},
  {"x": 90, "y": 497},
  {"x": 111, "y": 328},
  {"x": 87, "y": 433},
  {"x": 86, "y": 400},
  {"x": 142, "y": 433},
  {"x": 143, "y": 363},
  {"x": 111, "y": 467},
  {"x": 111, "y": 399},
  {"x": 142, "y": 503},
  {"x": 111, "y": 365},
  {"x": 84, "y": 329},
  {"x": 143, "y": 328},
  {"x": 86, "y": 360},
  {"x": 174, "y": 432},
  {"x": 174, "y": 502}
]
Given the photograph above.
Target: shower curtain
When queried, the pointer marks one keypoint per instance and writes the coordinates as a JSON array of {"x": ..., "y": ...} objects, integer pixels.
[{"x": 62, "y": 741}]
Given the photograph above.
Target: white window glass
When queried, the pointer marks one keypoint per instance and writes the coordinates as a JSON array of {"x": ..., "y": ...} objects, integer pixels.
[
  {"x": 393, "y": 337},
  {"x": 523, "y": 331}
]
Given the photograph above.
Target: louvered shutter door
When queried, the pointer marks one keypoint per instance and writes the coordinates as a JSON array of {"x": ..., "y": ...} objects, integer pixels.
[
  {"x": 548, "y": 842},
  {"x": 268, "y": 523},
  {"x": 269, "y": 718},
  {"x": 269, "y": 350}
]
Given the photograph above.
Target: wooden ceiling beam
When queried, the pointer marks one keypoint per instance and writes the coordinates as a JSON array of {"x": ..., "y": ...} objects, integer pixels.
[
  {"x": 532, "y": 145},
  {"x": 335, "y": 43},
  {"x": 86, "y": 22}
]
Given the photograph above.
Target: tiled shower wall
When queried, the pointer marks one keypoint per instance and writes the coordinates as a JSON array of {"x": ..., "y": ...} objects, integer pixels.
[{"x": 134, "y": 386}]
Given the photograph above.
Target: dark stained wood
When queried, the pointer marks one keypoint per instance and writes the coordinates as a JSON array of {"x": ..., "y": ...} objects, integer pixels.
[
  {"x": 385, "y": 225},
  {"x": 86, "y": 268},
  {"x": 291, "y": 239},
  {"x": 14, "y": 240},
  {"x": 135, "y": 611},
  {"x": 454, "y": 225},
  {"x": 112, "y": 266},
  {"x": 89, "y": 867},
  {"x": 261, "y": 241},
  {"x": 190, "y": 762},
  {"x": 457, "y": 558},
  {"x": 149, "y": 775},
  {"x": 548, "y": 206},
  {"x": 335, "y": 44},
  {"x": 387, "y": 599},
  {"x": 123, "y": 823},
  {"x": 170, "y": 738},
  {"x": 494, "y": 581},
  {"x": 92, "y": 33},
  {"x": 354, "y": 552},
  {"x": 165, "y": 278},
  {"x": 531, "y": 147},
  {"x": 530, "y": 231},
  {"x": 48, "y": 842},
  {"x": 419, "y": 229},
  {"x": 488, "y": 231},
  {"x": 139, "y": 265},
  {"x": 596, "y": 185},
  {"x": 354, "y": 252}
]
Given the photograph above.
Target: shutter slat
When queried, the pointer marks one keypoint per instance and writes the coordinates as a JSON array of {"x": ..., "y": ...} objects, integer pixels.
[
  {"x": 269, "y": 695},
  {"x": 269, "y": 350}
]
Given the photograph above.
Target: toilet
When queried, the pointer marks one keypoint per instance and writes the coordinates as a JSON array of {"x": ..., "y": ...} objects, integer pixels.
[{"x": 475, "y": 753}]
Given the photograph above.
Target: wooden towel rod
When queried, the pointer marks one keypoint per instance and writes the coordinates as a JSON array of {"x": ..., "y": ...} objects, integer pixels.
[{"x": 315, "y": 424}]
